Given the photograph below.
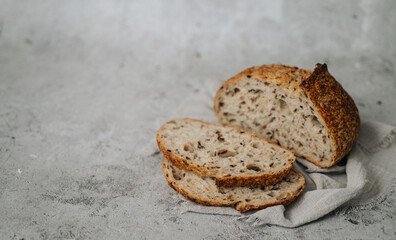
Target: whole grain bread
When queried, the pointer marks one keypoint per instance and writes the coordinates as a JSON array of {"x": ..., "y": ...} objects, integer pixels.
[
  {"x": 234, "y": 157},
  {"x": 203, "y": 190},
  {"x": 307, "y": 112}
]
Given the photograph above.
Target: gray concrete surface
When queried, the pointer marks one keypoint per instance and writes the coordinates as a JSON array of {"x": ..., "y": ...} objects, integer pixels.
[{"x": 83, "y": 82}]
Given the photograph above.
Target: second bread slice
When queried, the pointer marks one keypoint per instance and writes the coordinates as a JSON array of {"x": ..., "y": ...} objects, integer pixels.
[
  {"x": 234, "y": 157},
  {"x": 203, "y": 190}
]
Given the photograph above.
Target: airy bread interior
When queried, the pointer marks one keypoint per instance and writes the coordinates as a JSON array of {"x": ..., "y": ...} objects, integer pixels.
[
  {"x": 281, "y": 114},
  {"x": 214, "y": 150}
]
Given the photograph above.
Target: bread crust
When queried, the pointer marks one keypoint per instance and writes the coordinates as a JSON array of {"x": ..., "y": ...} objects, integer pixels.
[
  {"x": 337, "y": 109},
  {"x": 241, "y": 208},
  {"x": 223, "y": 181},
  {"x": 331, "y": 101},
  {"x": 252, "y": 181}
]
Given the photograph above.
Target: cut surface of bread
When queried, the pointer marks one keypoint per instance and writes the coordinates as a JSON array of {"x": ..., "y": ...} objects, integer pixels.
[
  {"x": 234, "y": 157},
  {"x": 203, "y": 190},
  {"x": 307, "y": 112}
]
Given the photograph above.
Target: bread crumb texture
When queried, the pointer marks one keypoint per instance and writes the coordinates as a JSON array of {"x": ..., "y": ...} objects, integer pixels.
[{"x": 231, "y": 155}]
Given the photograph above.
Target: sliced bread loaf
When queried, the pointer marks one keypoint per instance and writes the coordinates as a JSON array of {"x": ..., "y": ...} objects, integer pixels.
[
  {"x": 204, "y": 190},
  {"x": 234, "y": 157},
  {"x": 304, "y": 111}
]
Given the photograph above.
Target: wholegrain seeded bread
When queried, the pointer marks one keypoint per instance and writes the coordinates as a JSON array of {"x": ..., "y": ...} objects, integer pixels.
[
  {"x": 234, "y": 157},
  {"x": 307, "y": 112},
  {"x": 204, "y": 190}
]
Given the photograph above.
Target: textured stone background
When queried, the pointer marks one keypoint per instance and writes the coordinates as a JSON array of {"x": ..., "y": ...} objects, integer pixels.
[{"x": 82, "y": 84}]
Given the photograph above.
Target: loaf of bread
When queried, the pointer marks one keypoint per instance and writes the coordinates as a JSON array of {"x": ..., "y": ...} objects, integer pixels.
[
  {"x": 204, "y": 190},
  {"x": 232, "y": 156},
  {"x": 307, "y": 112}
]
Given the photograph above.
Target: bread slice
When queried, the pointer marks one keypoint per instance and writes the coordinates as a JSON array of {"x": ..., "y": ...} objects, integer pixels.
[
  {"x": 234, "y": 157},
  {"x": 204, "y": 190},
  {"x": 304, "y": 111}
]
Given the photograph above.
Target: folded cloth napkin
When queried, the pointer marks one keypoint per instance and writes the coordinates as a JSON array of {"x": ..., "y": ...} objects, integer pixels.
[{"x": 362, "y": 178}]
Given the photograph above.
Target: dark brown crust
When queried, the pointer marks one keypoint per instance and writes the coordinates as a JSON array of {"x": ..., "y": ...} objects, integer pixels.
[
  {"x": 332, "y": 102},
  {"x": 237, "y": 181},
  {"x": 251, "y": 181},
  {"x": 337, "y": 109},
  {"x": 235, "y": 204}
]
